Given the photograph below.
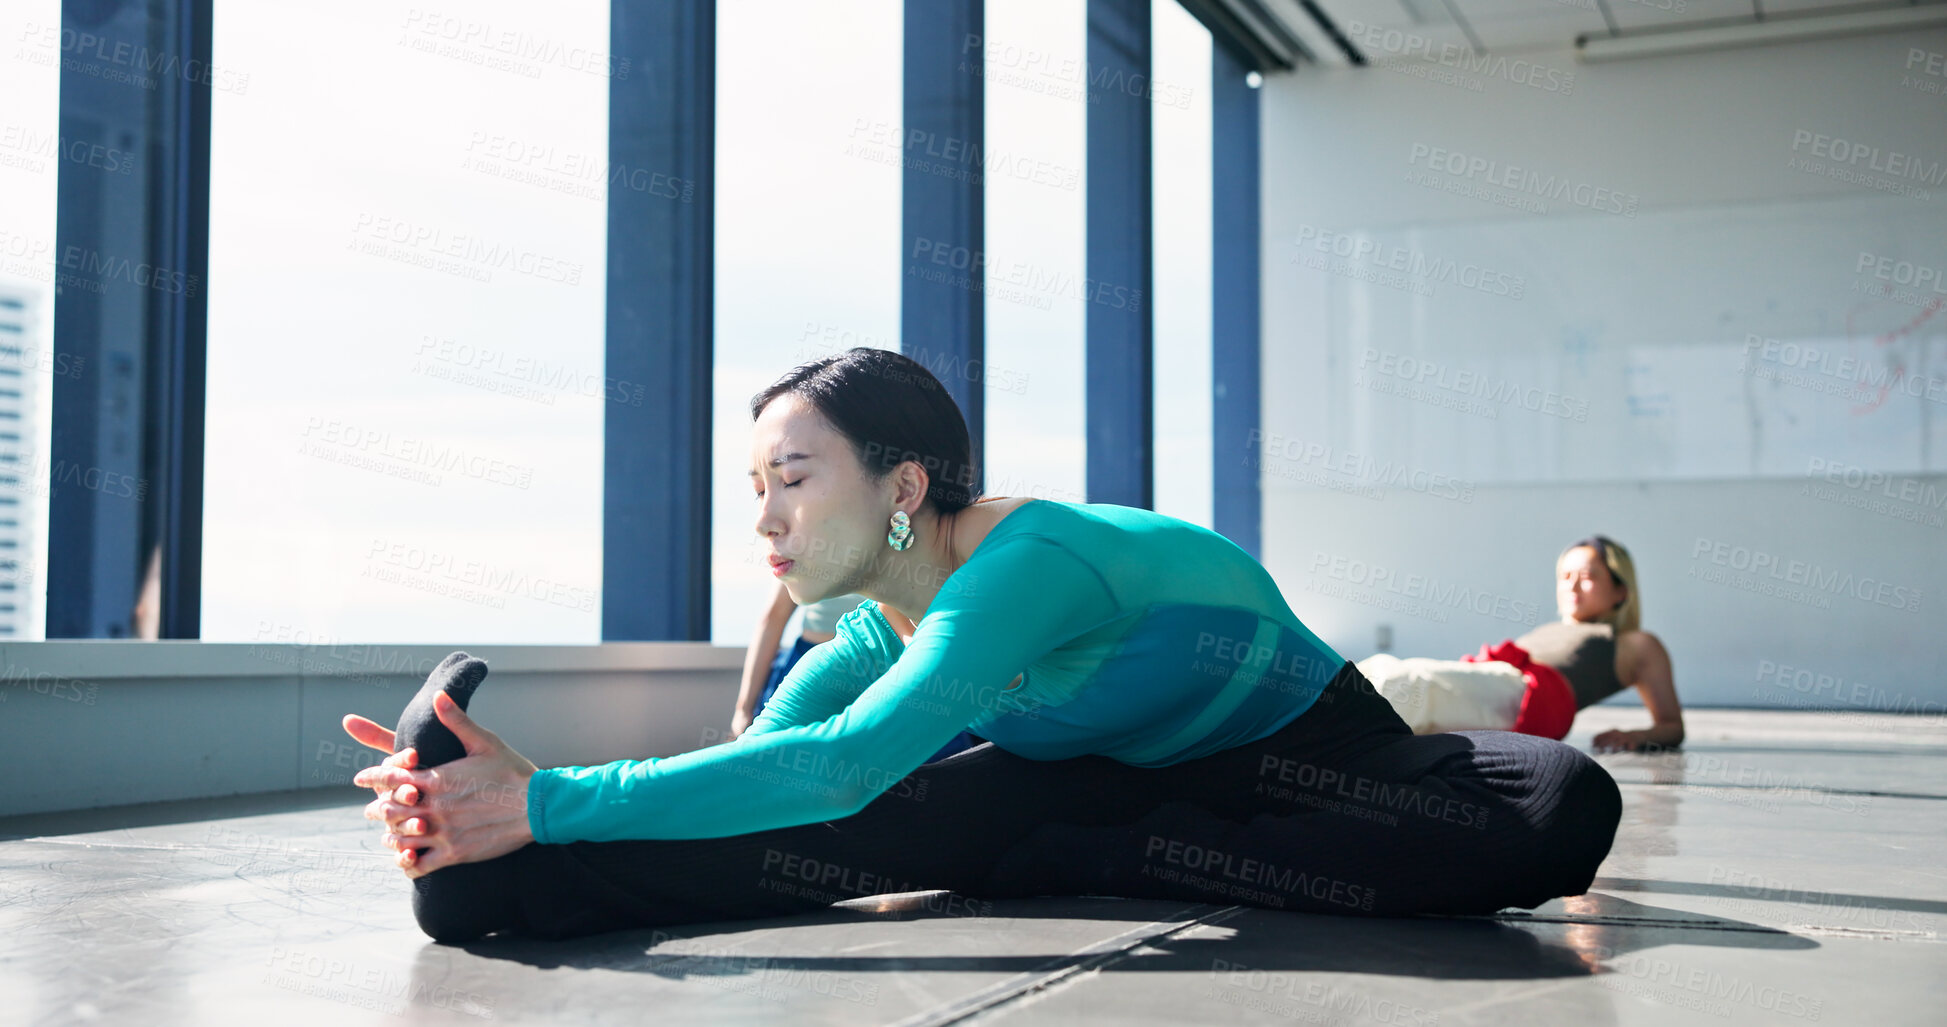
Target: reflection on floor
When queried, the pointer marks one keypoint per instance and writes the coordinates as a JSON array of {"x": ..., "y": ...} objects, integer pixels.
[{"x": 1785, "y": 867}]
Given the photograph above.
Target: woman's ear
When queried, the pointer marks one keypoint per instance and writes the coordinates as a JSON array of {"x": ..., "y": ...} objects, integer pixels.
[{"x": 912, "y": 484}]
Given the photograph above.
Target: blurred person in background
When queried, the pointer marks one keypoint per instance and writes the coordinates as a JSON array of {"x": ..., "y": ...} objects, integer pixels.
[{"x": 1536, "y": 684}]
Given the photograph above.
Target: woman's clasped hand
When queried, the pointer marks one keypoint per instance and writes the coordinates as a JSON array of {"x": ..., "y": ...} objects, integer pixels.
[{"x": 472, "y": 809}]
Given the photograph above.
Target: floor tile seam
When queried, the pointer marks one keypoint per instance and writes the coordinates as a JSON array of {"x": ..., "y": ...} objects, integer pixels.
[
  {"x": 1794, "y": 788},
  {"x": 1757, "y": 746},
  {"x": 1671, "y": 923},
  {"x": 995, "y": 997},
  {"x": 1864, "y": 933}
]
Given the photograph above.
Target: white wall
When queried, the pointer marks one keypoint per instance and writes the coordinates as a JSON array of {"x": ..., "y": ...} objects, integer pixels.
[{"x": 1663, "y": 427}]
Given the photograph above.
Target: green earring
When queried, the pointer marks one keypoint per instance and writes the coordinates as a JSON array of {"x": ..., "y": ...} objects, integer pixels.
[{"x": 901, "y": 535}]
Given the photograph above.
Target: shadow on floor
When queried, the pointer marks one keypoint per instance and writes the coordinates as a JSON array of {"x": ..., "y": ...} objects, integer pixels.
[
  {"x": 1598, "y": 927},
  {"x": 178, "y": 811}
]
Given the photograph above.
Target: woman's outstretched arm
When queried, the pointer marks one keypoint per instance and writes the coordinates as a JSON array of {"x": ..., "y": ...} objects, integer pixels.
[
  {"x": 1642, "y": 661},
  {"x": 1019, "y": 599}
]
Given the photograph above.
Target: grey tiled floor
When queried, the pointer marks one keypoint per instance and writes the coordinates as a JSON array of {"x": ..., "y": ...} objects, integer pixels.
[{"x": 1786, "y": 867}]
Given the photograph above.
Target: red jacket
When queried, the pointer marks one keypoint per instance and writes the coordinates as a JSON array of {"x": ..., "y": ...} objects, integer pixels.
[{"x": 1548, "y": 706}]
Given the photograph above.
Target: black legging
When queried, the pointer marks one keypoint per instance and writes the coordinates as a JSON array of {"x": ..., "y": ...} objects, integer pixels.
[{"x": 1342, "y": 811}]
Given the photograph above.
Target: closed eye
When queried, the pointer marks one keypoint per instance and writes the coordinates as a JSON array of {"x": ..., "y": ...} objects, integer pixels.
[{"x": 789, "y": 484}]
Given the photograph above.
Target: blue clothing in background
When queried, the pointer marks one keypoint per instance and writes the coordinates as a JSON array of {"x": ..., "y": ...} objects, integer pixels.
[
  {"x": 788, "y": 658},
  {"x": 781, "y": 665}
]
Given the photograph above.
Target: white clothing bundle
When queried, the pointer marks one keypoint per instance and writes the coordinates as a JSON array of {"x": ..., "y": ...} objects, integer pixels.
[{"x": 1448, "y": 695}]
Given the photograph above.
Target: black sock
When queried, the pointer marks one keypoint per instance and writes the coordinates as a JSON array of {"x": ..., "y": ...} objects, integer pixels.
[
  {"x": 419, "y": 726},
  {"x": 466, "y": 900}
]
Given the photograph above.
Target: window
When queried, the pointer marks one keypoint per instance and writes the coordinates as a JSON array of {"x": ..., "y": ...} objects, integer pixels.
[
  {"x": 406, "y": 324},
  {"x": 32, "y": 154},
  {"x": 1181, "y": 163},
  {"x": 1033, "y": 57},
  {"x": 808, "y": 180}
]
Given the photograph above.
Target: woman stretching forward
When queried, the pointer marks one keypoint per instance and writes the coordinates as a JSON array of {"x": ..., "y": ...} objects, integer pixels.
[{"x": 1157, "y": 723}]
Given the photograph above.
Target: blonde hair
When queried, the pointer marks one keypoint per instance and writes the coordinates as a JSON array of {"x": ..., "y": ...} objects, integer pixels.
[{"x": 1628, "y": 614}]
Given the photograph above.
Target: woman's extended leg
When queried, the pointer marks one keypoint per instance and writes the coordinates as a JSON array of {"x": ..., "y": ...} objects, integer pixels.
[
  {"x": 944, "y": 826},
  {"x": 1344, "y": 810}
]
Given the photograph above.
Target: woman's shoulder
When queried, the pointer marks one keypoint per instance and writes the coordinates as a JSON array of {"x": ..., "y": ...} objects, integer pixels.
[
  {"x": 1097, "y": 525},
  {"x": 870, "y": 626},
  {"x": 1635, "y": 645}
]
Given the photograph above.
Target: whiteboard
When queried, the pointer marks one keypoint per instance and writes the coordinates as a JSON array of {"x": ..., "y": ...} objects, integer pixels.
[{"x": 1708, "y": 342}]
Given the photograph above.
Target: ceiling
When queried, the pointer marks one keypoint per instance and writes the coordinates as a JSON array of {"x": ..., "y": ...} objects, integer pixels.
[{"x": 1487, "y": 26}]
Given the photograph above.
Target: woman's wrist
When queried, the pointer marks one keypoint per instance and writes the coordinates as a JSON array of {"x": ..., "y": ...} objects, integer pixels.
[
  {"x": 535, "y": 805},
  {"x": 1663, "y": 734},
  {"x": 527, "y": 791}
]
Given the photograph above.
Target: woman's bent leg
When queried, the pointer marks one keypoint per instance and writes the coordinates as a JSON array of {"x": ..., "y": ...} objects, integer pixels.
[
  {"x": 1352, "y": 814},
  {"x": 1496, "y": 820}
]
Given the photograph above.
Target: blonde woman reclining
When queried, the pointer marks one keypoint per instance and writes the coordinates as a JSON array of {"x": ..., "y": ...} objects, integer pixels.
[{"x": 1536, "y": 684}]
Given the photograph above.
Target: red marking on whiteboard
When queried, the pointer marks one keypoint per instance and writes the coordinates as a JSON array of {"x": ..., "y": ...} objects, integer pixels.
[{"x": 1898, "y": 369}]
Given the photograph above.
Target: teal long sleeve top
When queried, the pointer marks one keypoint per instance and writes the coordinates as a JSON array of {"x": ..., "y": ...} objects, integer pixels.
[{"x": 1135, "y": 636}]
